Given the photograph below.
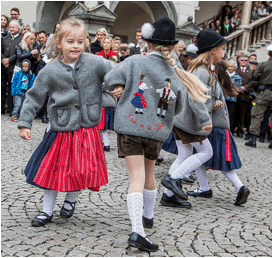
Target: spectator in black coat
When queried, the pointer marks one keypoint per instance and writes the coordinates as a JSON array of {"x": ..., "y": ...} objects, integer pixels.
[
  {"x": 96, "y": 44},
  {"x": 226, "y": 28}
]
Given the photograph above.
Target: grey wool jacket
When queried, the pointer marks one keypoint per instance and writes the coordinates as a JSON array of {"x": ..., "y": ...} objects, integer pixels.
[
  {"x": 75, "y": 95},
  {"x": 220, "y": 117},
  {"x": 195, "y": 115},
  {"x": 149, "y": 94}
]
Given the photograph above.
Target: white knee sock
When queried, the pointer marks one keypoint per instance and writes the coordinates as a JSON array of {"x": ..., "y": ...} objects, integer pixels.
[
  {"x": 204, "y": 153},
  {"x": 71, "y": 197},
  {"x": 149, "y": 197},
  {"x": 202, "y": 178},
  {"x": 49, "y": 201},
  {"x": 104, "y": 134},
  {"x": 234, "y": 179},
  {"x": 135, "y": 208}
]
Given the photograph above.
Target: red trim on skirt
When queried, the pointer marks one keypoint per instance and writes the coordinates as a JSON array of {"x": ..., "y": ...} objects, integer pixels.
[
  {"x": 228, "y": 146},
  {"x": 101, "y": 125},
  {"x": 75, "y": 161}
]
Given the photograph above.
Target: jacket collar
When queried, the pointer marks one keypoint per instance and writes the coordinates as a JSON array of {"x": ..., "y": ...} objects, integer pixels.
[{"x": 77, "y": 65}]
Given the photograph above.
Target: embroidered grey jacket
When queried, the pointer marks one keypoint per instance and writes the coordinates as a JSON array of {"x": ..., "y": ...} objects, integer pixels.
[
  {"x": 195, "y": 115},
  {"x": 146, "y": 107},
  {"x": 75, "y": 95}
]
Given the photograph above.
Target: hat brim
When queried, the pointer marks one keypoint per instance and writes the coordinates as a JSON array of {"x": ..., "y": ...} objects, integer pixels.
[
  {"x": 206, "y": 49},
  {"x": 191, "y": 55},
  {"x": 161, "y": 41}
]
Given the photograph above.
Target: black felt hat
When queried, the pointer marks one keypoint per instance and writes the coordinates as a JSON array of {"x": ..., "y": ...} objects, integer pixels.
[
  {"x": 208, "y": 39},
  {"x": 161, "y": 32}
]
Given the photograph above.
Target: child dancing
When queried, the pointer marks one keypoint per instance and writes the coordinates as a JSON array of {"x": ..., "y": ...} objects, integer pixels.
[{"x": 71, "y": 156}]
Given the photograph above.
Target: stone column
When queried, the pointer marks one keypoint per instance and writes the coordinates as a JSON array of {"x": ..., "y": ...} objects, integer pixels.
[{"x": 246, "y": 12}]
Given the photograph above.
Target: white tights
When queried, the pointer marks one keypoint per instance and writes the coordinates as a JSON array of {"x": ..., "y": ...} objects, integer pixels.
[{"x": 104, "y": 135}]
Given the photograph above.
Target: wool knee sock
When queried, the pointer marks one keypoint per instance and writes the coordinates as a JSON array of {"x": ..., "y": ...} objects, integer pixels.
[
  {"x": 202, "y": 178},
  {"x": 234, "y": 179},
  {"x": 149, "y": 197},
  {"x": 135, "y": 208},
  {"x": 104, "y": 134},
  {"x": 71, "y": 197},
  {"x": 49, "y": 201}
]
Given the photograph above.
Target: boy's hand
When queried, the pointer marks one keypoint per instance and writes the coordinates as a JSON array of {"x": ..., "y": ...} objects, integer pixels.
[
  {"x": 207, "y": 127},
  {"x": 217, "y": 104},
  {"x": 25, "y": 133},
  {"x": 117, "y": 91}
]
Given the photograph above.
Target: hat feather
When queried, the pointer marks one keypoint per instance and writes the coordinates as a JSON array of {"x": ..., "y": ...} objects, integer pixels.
[{"x": 147, "y": 30}]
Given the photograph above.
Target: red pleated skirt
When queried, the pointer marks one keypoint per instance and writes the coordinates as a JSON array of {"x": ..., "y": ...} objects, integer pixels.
[
  {"x": 75, "y": 161},
  {"x": 101, "y": 125}
]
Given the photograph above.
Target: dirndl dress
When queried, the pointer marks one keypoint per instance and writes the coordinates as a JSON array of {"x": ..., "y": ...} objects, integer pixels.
[
  {"x": 68, "y": 161},
  {"x": 225, "y": 155},
  {"x": 107, "y": 119}
]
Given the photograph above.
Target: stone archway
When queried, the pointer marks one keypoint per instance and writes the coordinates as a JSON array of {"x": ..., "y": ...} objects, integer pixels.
[{"x": 133, "y": 14}]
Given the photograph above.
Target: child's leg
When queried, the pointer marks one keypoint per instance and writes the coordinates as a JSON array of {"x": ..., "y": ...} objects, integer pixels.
[
  {"x": 136, "y": 169},
  {"x": 184, "y": 151},
  {"x": 150, "y": 191},
  {"x": 17, "y": 100},
  {"x": 49, "y": 201},
  {"x": 204, "y": 153},
  {"x": 202, "y": 178},
  {"x": 104, "y": 134},
  {"x": 71, "y": 197},
  {"x": 234, "y": 179}
]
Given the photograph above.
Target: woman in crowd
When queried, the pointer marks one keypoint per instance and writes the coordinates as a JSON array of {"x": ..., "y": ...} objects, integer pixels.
[
  {"x": 4, "y": 26},
  {"x": 96, "y": 44},
  {"x": 109, "y": 101}
]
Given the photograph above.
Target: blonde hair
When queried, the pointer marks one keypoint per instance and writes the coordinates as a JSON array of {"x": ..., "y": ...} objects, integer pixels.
[
  {"x": 205, "y": 60},
  {"x": 194, "y": 86},
  {"x": 24, "y": 43},
  {"x": 107, "y": 37},
  {"x": 103, "y": 31},
  {"x": 66, "y": 27}
]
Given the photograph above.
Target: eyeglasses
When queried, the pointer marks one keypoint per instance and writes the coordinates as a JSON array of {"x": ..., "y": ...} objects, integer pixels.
[{"x": 243, "y": 60}]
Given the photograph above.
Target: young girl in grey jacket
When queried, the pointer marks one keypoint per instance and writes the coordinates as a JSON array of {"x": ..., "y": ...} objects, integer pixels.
[
  {"x": 71, "y": 156},
  {"x": 151, "y": 92}
]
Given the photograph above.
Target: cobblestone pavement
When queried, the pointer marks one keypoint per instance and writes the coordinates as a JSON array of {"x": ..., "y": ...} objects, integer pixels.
[{"x": 101, "y": 226}]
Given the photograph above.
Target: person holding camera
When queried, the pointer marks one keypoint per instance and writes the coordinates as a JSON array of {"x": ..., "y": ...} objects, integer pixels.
[{"x": 262, "y": 83}]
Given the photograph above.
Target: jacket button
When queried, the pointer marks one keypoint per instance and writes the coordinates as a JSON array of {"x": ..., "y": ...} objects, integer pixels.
[
  {"x": 75, "y": 87},
  {"x": 77, "y": 106}
]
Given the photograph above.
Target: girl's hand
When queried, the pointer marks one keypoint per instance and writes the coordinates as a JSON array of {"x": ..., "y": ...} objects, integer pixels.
[
  {"x": 207, "y": 127},
  {"x": 25, "y": 133},
  {"x": 117, "y": 91},
  {"x": 217, "y": 104},
  {"x": 34, "y": 52}
]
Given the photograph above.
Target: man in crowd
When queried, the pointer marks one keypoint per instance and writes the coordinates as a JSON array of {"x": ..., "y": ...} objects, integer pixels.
[
  {"x": 42, "y": 36},
  {"x": 141, "y": 46},
  {"x": 262, "y": 82},
  {"x": 243, "y": 97},
  {"x": 24, "y": 29},
  {"x": 8, "y": 60},
  {"x": 124, "y": 53},
  {"x": 15, "y": 14},
  {"x": 178, "y": 49}
]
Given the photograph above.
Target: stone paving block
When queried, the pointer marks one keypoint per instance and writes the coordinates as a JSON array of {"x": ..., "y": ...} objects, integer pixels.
[
  {"x": 255, "y": 254},
  {"x": 225, "y": 255},
  {"x": 23, "y": 254}
]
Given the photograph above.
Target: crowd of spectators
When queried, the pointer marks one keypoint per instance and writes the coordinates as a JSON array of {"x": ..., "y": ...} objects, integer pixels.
[{"x": 230, "y": 18}]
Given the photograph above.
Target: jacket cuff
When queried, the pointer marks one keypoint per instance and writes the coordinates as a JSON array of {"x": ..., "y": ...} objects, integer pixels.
[
  {"x": 205, "y": 122},
  {"x": 24, "y": 124}
]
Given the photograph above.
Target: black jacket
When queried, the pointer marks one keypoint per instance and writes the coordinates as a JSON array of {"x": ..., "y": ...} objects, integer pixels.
[{"x": 96, "y": 47}]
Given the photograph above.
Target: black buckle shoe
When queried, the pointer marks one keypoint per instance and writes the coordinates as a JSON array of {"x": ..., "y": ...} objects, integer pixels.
[
  {"x": 65, "y": 213},
  {"x": 200, "y": 193},
  {"x": 252, "y": 142},
  {"x": 136, "y": 240},
  {"x": 175, "y": 186},
  {"x": 107, "y": 148},
  {"x": 187, "y": 180},
  {"x": 160, "y": 159},
  {"x": 174, "y": 202},
  {"x": 147, "y": 223},
  {"x": 242, "y": 196},
  {"x": 37, "y": 222}
]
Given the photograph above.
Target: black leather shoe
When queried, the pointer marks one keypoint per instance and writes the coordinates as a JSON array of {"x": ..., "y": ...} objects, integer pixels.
[
  {"x": 174, "y": 202},
  {"x": 187, "y": 180},
  {"x": 262, "y": 139},
  {"x": 36, "y": 222},
  {"x": 247, "y": 136},
  {"x": 242, "y": 196},
  {"x": 136, "y": 240},
  {"x": 175, "y": 186},
  {"x": 199, "y": 193},
  {"x": 240, "y": 135},
  {"x": 270, "y": 146},
  {"x": 107, "y": 148},
  {"x": 252, "y": 142},
  {"x": 147, "y": 223},
  {"x": 65, "y": 213},
  {"x": 160, "y": 159},
  {"x": 157, "y": 163}
]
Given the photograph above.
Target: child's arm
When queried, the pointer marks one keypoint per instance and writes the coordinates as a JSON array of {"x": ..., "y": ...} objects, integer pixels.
[{"x": 25, "y": 133}]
